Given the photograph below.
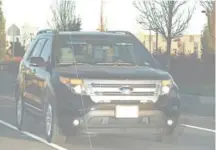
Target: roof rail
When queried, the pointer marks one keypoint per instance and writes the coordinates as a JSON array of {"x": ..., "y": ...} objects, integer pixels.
[
  {"x": 126, "y": 33},
  {"x": 121, "y": 32},
  {"x": 46, "y": 31}
]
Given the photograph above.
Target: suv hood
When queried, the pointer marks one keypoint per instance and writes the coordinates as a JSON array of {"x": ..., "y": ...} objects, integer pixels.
[{"x": 113, "y": 72}]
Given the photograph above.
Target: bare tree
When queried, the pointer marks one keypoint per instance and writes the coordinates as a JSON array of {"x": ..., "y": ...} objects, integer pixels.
[
  {"x": 168, "y": 18},
  {"x": 208, "y": 35},
  {"x": 64, "y": 17},
  {"x": 210, "y": 13},
  {"x": 207, "y": 5}
]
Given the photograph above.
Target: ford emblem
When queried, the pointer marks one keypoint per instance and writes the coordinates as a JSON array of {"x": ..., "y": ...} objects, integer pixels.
[{"x": 126, "y": 90}]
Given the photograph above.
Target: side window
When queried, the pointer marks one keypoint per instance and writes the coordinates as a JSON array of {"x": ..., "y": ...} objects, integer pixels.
[
  {"x": 38, "y": 48},
  {"x": 30, "y": 49},
  {"x": 46, "y": 51}
]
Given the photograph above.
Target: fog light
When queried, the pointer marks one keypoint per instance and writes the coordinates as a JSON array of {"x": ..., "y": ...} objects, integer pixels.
[
  {"x": 169, "y": 122},
  {"x": 76, "y": 122}
]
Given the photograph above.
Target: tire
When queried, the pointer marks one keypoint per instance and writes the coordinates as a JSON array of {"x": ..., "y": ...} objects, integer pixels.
[
  {"x": 53, "y": 130},
  {"x": 20, "y": 111},
  {"x": 61, "y": 125},
  {"x": 165, "y": 133},
  {"x": 169, "y": 131}
]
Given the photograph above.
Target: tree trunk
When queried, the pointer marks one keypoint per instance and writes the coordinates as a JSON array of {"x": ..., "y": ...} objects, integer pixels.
[
  {"x": 169, "y": 37},
  {"x": 169, "y": 41},
  {"x": 156, "y": 41}
]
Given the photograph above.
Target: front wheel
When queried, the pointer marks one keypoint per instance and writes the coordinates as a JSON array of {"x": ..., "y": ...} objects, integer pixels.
[
  {"x": 167, "y": 130},
  {"x": 20, "y": 112},
  {"x": 52, "y": 128}
]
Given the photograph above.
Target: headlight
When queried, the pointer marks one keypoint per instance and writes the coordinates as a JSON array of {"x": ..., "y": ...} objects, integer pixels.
[
  {"x": 166, "y": 86},
  {"x": 80, "y": 89},
  {"x": 165, "y": 89},
  {"x": 75, "y": 85}
]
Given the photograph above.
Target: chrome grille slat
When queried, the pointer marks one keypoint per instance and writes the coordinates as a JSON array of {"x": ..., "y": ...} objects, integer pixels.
[
  {"x": 119, "y": 85},
  {"x": 132, "y": 94},
  {"x": 135, "y": 90},
  {"x": 142, "y": 90}
]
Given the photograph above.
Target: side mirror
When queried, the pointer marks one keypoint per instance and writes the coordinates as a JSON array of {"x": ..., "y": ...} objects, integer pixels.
[{"x": 37, "y": 62}]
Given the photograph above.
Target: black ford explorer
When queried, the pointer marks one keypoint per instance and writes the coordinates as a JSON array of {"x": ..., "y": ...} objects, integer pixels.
[{"x": 78, "y": 81}]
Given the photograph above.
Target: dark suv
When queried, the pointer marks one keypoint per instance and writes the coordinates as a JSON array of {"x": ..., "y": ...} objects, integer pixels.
[{"x": 78, "y": 81}]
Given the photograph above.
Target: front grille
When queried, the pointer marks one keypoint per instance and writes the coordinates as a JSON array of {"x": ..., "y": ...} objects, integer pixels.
[
  {"x": 120, "y": 85},
  {"x": 139, "y": 88}
]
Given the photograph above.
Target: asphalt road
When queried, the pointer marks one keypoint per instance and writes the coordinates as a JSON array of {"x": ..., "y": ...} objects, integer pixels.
[{"x": 198, "y": 134}]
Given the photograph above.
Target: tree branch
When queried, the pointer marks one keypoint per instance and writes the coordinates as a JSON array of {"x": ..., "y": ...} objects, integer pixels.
[
  {"x": 64, "y": 16},
  {"x": 158, "y": 14},
  {"x": 207, "y": 5}
]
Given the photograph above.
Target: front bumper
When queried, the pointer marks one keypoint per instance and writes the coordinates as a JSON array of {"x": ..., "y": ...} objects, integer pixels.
[
  {"x": 102, "y": 119},
  {"x": 84, "y": 113},
  {"x": 103, "y": 116}
]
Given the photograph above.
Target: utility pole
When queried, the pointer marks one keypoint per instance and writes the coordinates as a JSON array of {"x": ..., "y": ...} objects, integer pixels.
[
  {"x": 101, "y": 17},
  {"x": 101, "y": 25},
  {"x": 13, "y": 47}
]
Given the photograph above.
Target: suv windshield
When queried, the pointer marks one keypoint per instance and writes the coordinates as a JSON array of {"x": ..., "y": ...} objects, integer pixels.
[{"x": 96, "y": 51}]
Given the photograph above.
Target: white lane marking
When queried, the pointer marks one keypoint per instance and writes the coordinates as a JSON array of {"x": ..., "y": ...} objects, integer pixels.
[
  {"x": 33, "y": 136},
  {"x": 199, "y": 128},
  {"x": 8, "y": 125}
]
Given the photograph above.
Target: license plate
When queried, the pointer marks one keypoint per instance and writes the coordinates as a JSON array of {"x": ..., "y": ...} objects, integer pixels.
[{"x": 126, "y": 111}]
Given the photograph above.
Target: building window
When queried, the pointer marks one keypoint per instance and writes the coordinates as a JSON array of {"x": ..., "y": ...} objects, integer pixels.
[
  {"x": 183, "y": 48},
  {"x": 196, "y": 46},
  {"x": 191, "y": 38}
]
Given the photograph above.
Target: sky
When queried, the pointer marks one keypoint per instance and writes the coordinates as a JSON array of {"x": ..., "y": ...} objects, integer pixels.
[{"x": 120, "y": 14}]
